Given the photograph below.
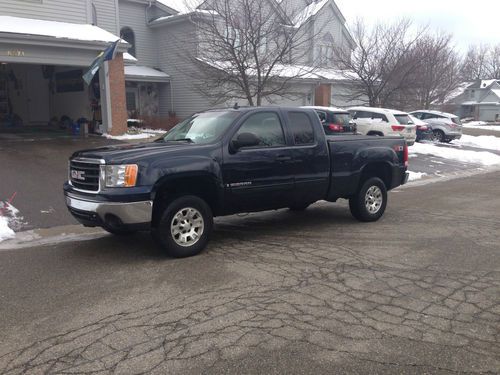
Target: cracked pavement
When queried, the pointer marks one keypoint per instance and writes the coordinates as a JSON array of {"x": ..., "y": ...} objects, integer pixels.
[{"x": 275, "y": 292}]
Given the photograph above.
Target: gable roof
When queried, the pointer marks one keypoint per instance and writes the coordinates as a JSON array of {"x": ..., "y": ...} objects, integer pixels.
[{"x": 308, "y": 12}]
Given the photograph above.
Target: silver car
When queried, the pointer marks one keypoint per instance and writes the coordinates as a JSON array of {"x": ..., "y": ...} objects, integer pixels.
[{"x": 445, "y": 126}]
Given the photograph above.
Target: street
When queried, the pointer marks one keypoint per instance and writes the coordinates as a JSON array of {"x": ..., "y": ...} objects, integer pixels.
[{"x": 275, "y": 292}]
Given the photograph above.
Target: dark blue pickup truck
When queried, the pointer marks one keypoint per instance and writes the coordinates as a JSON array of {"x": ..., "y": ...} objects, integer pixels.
[{"x": 225, "y": 161}]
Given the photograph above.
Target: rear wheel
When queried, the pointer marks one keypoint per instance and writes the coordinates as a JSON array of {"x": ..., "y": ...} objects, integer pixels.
[
  {"x": 370, "y": 202},
  {"x": 438, "y": 135},
  {"x": 184, "y": 227}
]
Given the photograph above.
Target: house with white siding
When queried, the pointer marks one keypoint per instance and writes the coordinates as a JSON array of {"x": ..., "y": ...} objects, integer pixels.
[
  {"x": 479, "y": 100},
  {"x": 46, "y": 46}
]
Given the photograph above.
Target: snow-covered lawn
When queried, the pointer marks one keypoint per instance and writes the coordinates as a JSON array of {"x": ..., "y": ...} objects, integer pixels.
[
  {"x": 466, "y": 156},
  {"x": 488, "y": 142},
  {"x": 481, "y": 125}
]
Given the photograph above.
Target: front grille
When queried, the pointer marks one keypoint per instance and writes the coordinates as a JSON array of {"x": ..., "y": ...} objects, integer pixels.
[{"x": 84, "y": 175}]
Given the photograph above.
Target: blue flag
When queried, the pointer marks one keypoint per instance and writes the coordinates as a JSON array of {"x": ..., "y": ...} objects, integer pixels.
[{"x": 106, "y": 55}]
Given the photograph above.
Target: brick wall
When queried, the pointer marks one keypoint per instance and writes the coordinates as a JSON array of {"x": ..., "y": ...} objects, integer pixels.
[
  {"x": 117, "y": 95},
  {"x": 323, "y": 94}
]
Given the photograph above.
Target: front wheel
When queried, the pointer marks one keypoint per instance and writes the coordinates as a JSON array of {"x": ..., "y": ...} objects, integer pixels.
[
  {"x": 370, "y": 202},
  {"x": 185, "y": 227}
]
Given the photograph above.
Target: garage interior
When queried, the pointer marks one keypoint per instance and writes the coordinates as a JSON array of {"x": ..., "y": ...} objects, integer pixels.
[{"x": 47, "y": 99}]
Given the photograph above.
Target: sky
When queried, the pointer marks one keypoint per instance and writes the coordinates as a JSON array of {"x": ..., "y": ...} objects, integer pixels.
[{"x": 471, "y": 22}]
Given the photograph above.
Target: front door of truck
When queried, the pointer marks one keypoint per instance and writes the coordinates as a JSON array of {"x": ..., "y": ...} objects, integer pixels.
[{"x": 260, "y": 176}]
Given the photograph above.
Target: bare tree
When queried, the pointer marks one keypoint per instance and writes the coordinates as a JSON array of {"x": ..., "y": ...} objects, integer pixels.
[
  {"x": 438, "y": 73},
  {"x": 474, "y": 65},
  {"x": 493, "y": 62},
  {"x": 250, "y": 50},
  {"x": 380, "y": 61}
]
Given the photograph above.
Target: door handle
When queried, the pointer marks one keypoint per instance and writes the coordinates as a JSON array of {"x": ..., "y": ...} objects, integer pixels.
[{"x": 283, "y": 158}]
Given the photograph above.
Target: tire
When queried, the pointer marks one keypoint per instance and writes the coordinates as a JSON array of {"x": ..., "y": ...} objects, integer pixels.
[
  {"x": 438, "y": 135},
  {"x": 370, "y": 202},
  {"x": 185, "y": 227},
  {"x": 299, "y": 208}
]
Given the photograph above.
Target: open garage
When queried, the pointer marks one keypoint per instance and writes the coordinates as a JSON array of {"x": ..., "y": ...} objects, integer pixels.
[{"x": 41, "y": 84}]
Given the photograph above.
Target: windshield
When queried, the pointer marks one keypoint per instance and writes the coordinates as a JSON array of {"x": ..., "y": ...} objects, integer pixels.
[
  {"x": 202, "y": 127},
  {"x": 341, "y": 119},
  {"x": 404, "y": 119},
  {"x": 456, "y": 120}
]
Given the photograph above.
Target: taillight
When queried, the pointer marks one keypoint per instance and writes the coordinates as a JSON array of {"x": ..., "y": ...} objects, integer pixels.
[
  {"x": 398, "y": 128},
  {"x": 336, "y": 128},
  {"x": 403, "y": 149},
  {"x": 422, "y": 127}
]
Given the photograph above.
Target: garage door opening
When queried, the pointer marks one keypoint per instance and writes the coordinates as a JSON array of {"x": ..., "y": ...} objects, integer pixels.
[{"x": 47, "y": 100}]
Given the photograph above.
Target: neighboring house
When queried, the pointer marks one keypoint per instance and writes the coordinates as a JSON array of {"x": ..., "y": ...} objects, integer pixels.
[
  {"x": 46, "y": 45},
  {"x": 479, "y": 100}
]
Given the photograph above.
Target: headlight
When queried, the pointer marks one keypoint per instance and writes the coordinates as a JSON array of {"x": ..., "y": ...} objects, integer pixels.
[{"x": 120, "y": 175}]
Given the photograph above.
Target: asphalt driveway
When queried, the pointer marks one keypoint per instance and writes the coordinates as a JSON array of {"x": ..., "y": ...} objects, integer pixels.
[
  {"x": 33, "y": 172},
  {"x": 275, "y": 292}
]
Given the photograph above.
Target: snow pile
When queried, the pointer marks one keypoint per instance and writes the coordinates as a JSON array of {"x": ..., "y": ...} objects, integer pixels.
[
  {"x": 464, "y": 156},
  {"x": 416, "y": 175},
  {"x": 138, "y": 134},
  {"x": 10, "y": 221},
  {"x": 5, "y": 232},
  {"x": 488, "y": 142}
]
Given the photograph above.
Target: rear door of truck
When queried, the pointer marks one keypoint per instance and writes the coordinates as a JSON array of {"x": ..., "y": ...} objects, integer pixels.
[{"x": 311, "y": 160}]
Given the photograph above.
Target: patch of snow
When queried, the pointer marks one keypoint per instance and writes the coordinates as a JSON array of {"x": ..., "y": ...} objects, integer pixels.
[
  {"x": 144, "y": 71},
  {"x": 55, "y": 29},
  {"x": 464, "y": 156},
  {"x": 416, "y": 175},
  {"x": 488, "y": 142},
  {"x": 128, "y": 57},
  {"x": 5, "y": 231},
  {"x": 481, "y": 125},
  {"x": 125, "y": 137}
]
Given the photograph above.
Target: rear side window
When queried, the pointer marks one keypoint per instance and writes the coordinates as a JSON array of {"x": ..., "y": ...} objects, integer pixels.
[
  {"x": 427, "y": 116},
  {"x": 362, "y": 114},
  {"x": 379, "y": 116},
  {"x": 301, "y": 128},
  {"x": 341, "y": 119},
  {"x": 322, "y": 116},
  {"x": 266, "y": 126},
  {"x": 404, "y": 119}
]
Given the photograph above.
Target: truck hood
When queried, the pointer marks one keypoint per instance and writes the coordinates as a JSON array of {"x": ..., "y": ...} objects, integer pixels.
[{"x": 133, "y": 153}]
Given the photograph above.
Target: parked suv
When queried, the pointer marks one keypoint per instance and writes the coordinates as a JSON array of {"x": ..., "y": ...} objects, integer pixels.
[
  {"x": 334, "y": 120},
  {"x": 384, "y": 122},
  {"x": 445, "y": 126}
]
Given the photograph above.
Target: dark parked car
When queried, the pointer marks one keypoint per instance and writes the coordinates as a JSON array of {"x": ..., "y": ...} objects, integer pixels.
[
  {"x": 226, "y": 161},
  {"x": 424, "y": 130},
  {"x": 334, "y": 120}
]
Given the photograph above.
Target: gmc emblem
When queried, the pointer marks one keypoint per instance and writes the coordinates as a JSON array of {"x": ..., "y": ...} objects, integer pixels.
[{"x": 78, "y": 175}]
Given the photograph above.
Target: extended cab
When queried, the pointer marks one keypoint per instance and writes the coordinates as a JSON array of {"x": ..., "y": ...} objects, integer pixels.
[{"x": 222, "y": 162}]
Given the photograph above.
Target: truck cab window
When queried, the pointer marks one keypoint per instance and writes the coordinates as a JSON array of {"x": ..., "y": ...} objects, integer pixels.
[
  {"x": 266, "y": 126},
  {"x": 301, "y": 127}
]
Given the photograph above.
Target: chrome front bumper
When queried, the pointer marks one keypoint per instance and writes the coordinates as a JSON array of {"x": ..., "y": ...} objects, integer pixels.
[{"x": 128, "y": 212}]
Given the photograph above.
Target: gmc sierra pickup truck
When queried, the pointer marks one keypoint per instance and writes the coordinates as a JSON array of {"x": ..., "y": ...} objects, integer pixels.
[{"x": 226, "y": 161}]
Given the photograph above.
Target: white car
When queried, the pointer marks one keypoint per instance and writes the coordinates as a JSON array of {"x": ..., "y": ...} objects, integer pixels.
[{"x": 384, "y": 122}]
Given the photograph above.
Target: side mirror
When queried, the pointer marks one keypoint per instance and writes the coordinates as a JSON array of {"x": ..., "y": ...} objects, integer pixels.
[{"x": 245, "y": 140}]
